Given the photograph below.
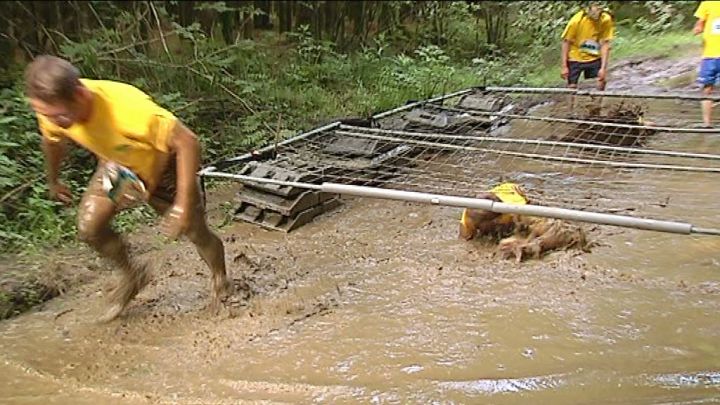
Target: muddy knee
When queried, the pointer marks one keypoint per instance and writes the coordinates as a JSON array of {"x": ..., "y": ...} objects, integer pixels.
[
  {"x": 92, "y": 233},
  {"x": 94, "y": 217}
]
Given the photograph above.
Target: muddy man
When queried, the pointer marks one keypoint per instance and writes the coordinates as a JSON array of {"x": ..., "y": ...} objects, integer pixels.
[
  {"x": 477, "y": 222},
  {"x": 521, "y": 236},
  {"x": 145, "y": 155}
]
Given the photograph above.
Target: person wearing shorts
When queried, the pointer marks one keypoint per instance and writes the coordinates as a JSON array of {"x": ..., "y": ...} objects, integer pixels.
[
  {"x": 145, "y": 155},
  {"x": 708, "y": 24},
  {"x": 586, "y": 46}
]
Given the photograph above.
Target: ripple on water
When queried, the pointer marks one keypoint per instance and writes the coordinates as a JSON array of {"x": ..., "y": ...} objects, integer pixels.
[{"x": 504, "y": 385}]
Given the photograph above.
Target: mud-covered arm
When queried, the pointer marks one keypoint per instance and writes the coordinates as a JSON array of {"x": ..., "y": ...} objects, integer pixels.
[
  {"x": 564, "y": 52},
  {"x": 54, "y": 154},
  {"x": 568, "y": 36},
  {"x": 604, "y": 54},
  {"x": 185, "y": 145}
]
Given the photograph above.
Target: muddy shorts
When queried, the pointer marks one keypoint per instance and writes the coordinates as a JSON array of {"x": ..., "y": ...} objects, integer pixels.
[
  {"x": 161, "y": 199},
  {"x": 709, "y": 71},
  {"x": 590, "y": 70}
]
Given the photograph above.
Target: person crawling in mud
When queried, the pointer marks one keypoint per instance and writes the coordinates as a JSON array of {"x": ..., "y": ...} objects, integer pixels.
[
  {"x": 145, "y": 155},
  {"x": 478, "y": 223},
  {"x": 519, "y": 236},
  {"x": 535, "y": 236}
]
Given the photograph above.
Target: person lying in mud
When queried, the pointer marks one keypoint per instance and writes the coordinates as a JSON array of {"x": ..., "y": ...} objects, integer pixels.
[
  {"x": 477, "y": 222},
  {"x": 535, "y": 236},
  {"x": 519, "y": 236},
  {"x": 145, "y": 155}
]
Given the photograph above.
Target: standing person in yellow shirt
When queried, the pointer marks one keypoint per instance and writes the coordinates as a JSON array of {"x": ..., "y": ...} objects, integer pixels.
[
  {"x": 586, "y": 45},
  {"x": 708, "y": 24},
  {"x": 144, "y": 154}
]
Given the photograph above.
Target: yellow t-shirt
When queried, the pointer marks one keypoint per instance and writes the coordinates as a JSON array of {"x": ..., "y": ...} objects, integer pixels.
[
  {"x": 125, "y": 127},
  {"x": 585, "y": 36},
  {"x": 709, "y": 11},
  {"x": 509, "y": 193}
]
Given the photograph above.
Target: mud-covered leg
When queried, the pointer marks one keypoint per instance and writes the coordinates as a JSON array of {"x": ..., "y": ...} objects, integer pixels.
[
  {"x": 211, "y": 249},
  {"x": 94, "y": 217},
  {"x": 209, "y": 246},
  {"x": 707, "y": 106},
  {"x": 207, "y": 243}
]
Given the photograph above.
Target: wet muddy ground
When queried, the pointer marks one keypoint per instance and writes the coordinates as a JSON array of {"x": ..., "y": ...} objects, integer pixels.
[{"x": 379, "y": 302}]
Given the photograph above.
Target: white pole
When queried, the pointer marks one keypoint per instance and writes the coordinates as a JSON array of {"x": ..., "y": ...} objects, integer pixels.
[
  {"x": 596, "y": 93},
  {"x": 488, "y": 205}
]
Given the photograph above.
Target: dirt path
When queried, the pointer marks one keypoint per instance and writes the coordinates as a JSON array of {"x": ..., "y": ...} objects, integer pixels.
[{"x": 379, "y": 302}]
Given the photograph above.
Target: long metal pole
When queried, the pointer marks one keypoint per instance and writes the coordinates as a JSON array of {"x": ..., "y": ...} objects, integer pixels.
[
  {"x": 211, "y": 173},
  {"x": 488, "y": 205},
  {"x": 596, "y": 93},
  {"x": 534, "y": 210}
]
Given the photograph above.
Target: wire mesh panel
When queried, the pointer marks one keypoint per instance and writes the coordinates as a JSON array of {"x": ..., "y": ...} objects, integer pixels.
[{"x": 620, "y": 153}]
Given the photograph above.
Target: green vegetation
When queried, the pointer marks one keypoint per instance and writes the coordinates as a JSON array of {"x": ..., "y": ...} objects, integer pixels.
[{"x": 242, "y": 74}]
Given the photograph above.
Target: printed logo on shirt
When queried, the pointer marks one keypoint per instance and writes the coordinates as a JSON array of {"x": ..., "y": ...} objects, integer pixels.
[
  {"x": 715, "y": 27},
  {"x": 590, "y": 47}
]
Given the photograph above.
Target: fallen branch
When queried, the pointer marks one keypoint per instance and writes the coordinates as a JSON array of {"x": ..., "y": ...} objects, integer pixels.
[
  {"x": 160, "y": 29},
  {"x": 20, "y": 188}
]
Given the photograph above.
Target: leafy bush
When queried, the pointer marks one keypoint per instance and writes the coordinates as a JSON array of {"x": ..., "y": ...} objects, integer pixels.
[{"x": 27, "y": 217}]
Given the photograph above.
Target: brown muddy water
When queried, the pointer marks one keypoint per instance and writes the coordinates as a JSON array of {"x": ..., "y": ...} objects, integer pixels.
[{"x": 379, "y": 302}]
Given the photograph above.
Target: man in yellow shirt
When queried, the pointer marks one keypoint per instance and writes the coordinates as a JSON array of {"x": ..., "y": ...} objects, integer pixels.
[
  {"x": 708, "y": 24},
  {"x": 586, "y": 46},
  {"x": 144, "y": 154}
]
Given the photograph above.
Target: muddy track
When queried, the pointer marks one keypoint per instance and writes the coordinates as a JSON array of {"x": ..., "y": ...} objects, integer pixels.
[{"x": 380, "y": 302}]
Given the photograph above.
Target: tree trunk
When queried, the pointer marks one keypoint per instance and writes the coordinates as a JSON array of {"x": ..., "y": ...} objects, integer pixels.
[
  {"x": 319, "y": 21},
  {"x": 262, "y": 21},
  {"x": 187, "y": 12},
  {"x": 229, "y": 22},
  {"x": 248, "y": 25},
  {"x": 495, "y": 16},
  {"x": 303, "y": 14},
  {"x": 330, "y": 20},
  {"x": 340, "y": 28}
]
